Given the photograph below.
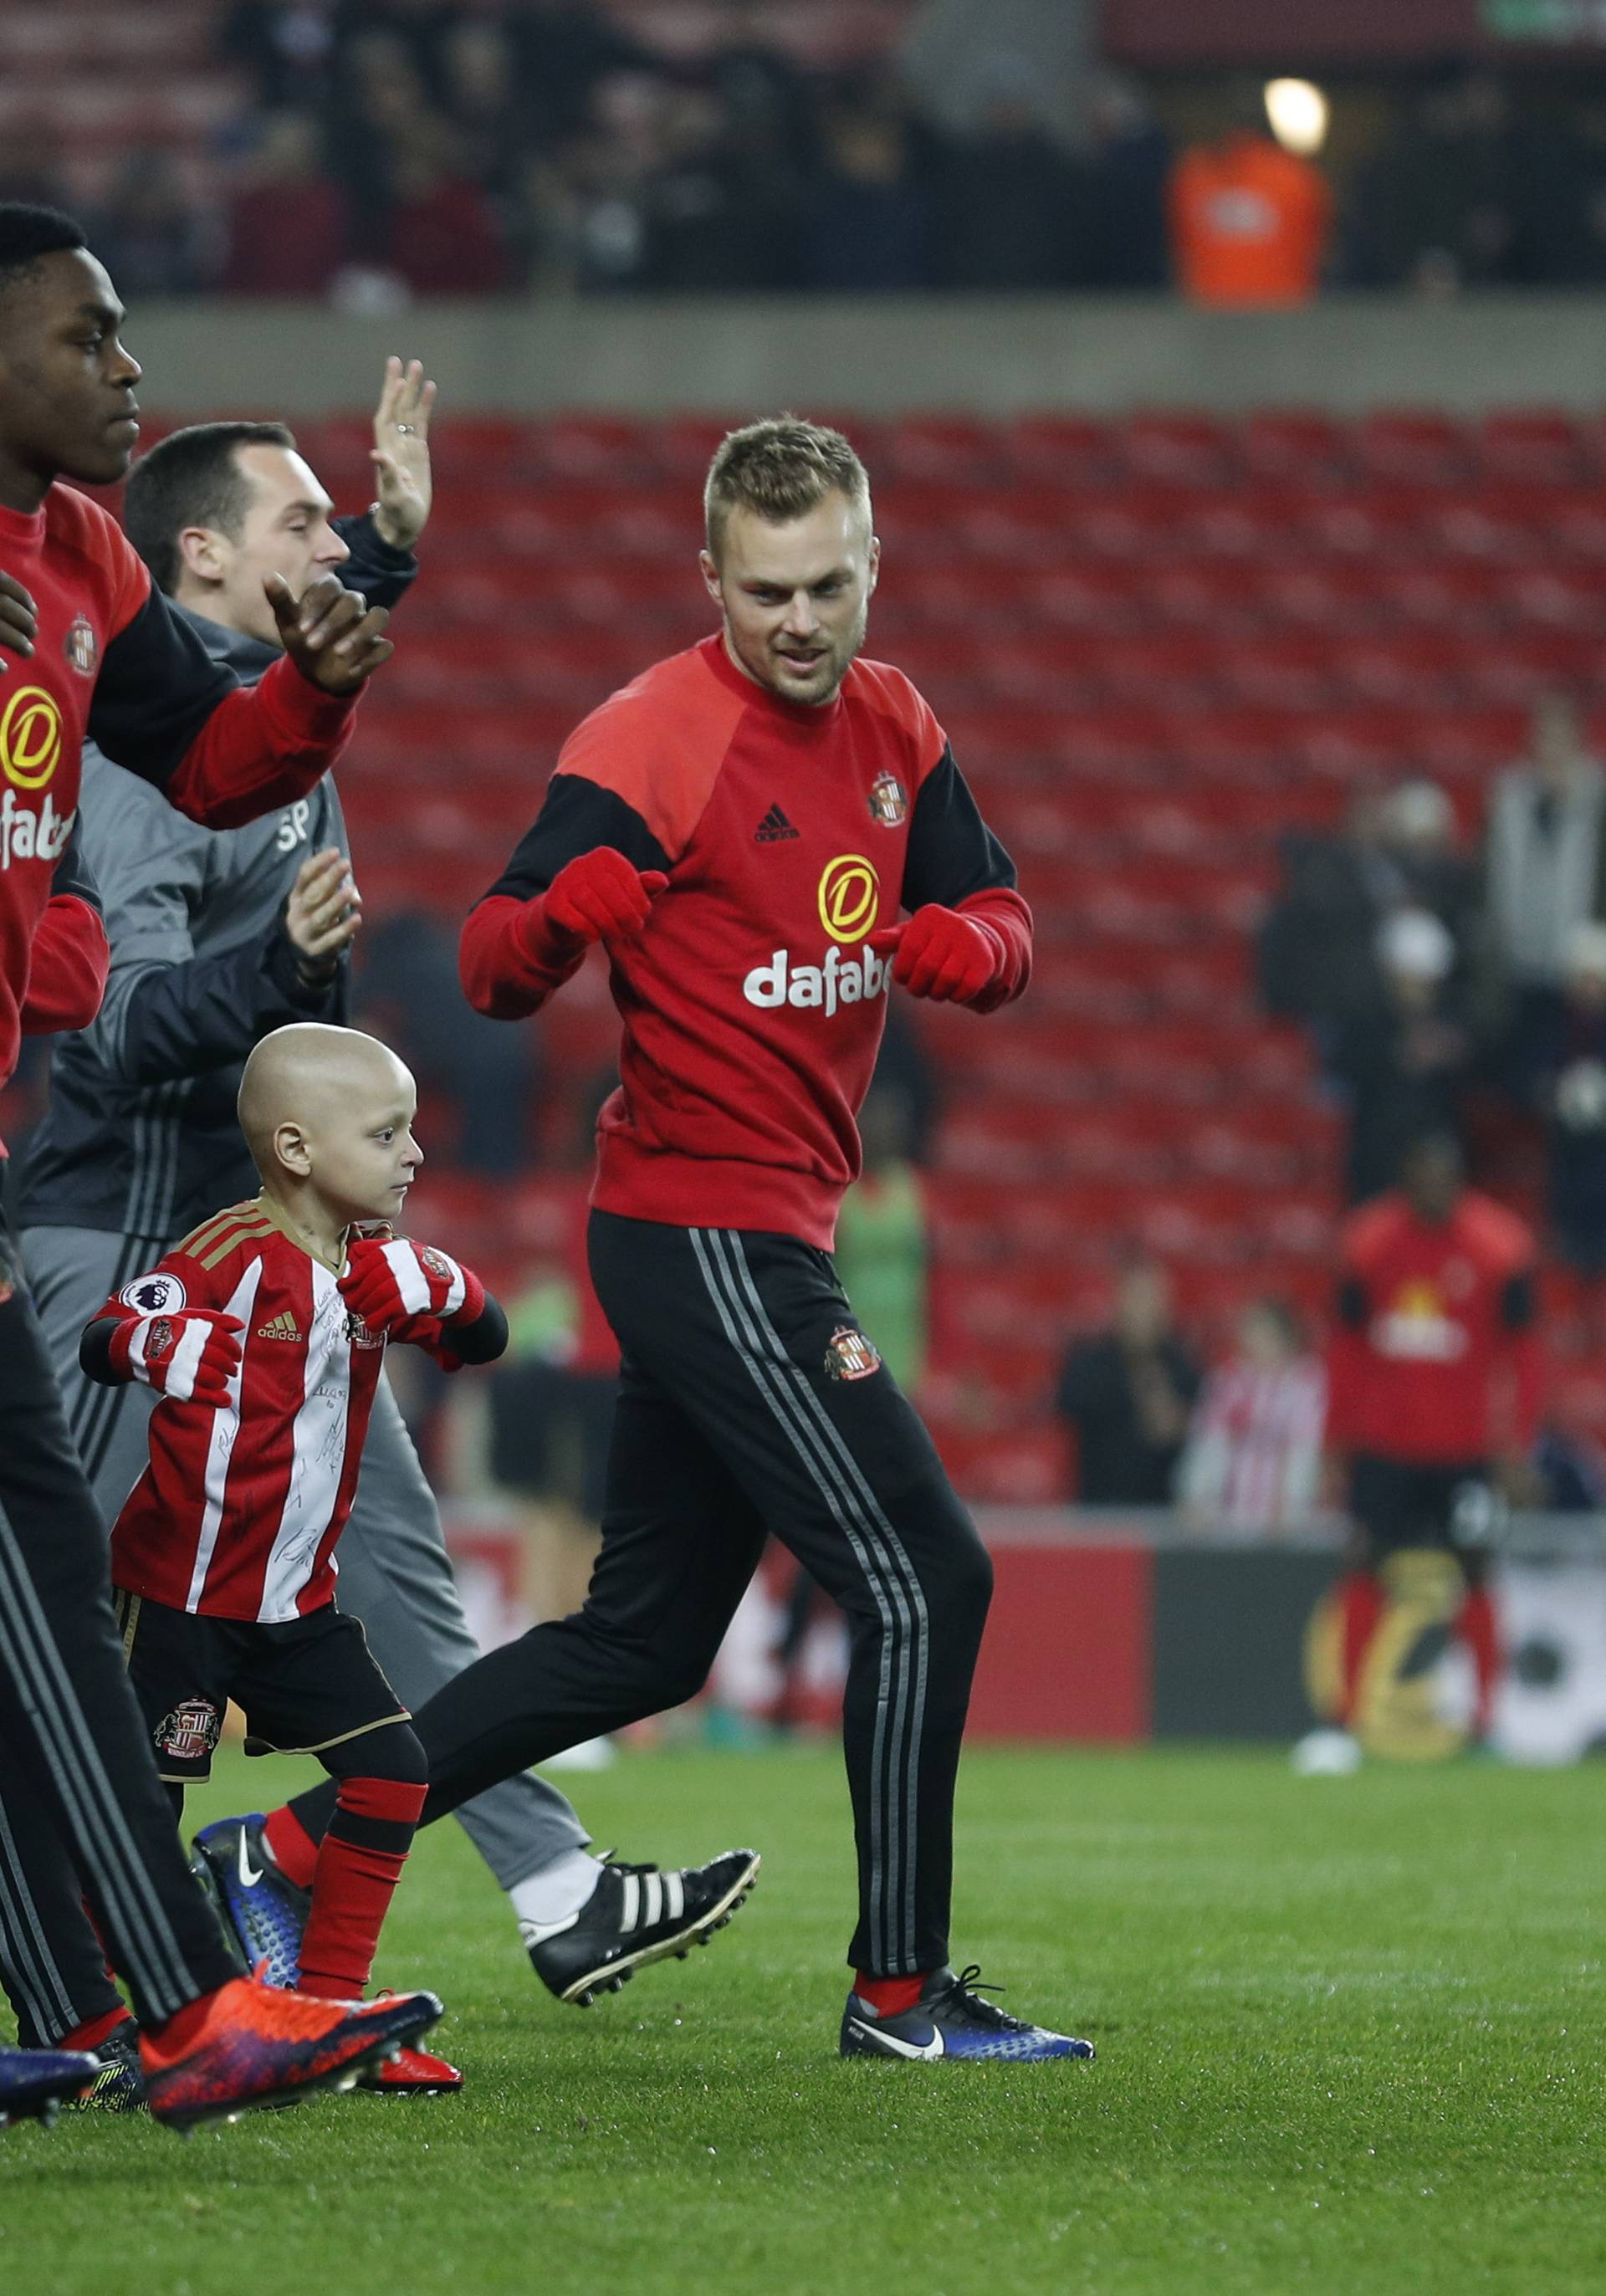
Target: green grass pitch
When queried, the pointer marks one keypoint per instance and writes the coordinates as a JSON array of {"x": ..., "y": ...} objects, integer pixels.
[{"x": 1351, "y": 2036}]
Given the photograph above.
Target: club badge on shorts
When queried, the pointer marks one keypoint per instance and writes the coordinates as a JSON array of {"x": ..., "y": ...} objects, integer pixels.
[
  {"x": 190, "y": 1733},
  {"x": 850, "y": 1355}
]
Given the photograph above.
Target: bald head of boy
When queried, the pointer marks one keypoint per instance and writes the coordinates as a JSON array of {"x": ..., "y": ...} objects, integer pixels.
[{"x": 327, "y": 1114}]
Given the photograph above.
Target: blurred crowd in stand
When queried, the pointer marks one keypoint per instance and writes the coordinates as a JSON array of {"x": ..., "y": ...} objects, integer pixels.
[{"x": 383, "y": 148}]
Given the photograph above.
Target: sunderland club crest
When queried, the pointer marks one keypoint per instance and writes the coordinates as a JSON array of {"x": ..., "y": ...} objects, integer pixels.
[
  {"x": 889, "y": 801},
  {"x": 850, "y": 1355},
  {"x": 190, "y": 1733}
]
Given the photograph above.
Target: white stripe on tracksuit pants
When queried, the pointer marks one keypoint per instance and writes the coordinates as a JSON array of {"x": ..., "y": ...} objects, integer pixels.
[{"x": 739, "y": 1416}]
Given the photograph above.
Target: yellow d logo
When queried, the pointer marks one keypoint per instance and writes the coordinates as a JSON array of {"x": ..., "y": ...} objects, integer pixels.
[
  {"x": 849, "y": 892},
  {"x": 30, "y": 737}
]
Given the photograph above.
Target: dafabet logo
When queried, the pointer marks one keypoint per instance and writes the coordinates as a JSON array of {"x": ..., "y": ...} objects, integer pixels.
[
  {"x": 850, "y": 893},
  {"x": 30, "y": 750},
  {"x": 30, "y": 737}
]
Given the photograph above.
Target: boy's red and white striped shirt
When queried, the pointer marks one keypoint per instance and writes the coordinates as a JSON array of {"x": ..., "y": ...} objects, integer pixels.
[{"x": 238, "y": 1512}]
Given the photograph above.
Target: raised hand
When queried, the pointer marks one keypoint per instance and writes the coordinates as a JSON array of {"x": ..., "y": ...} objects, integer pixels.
[
  {"x": 599, "y": 896},
  {"x": 19, "y": 619},
  {"x": 940, "y": 954},
  {"x": 191, "y": 1354},
  {"x": 332, "y": 634},
  {"x": 400, "y": 454},
  {"x": 323, "y": 913},
  {"x": 391, "y": 1284}
]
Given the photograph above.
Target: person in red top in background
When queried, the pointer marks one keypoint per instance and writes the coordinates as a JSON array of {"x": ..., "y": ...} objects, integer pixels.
[
  {"x": 88, "y": 647},
  {"x": 1434, "y": 1378},
  {"x": 1249, "y": 221},
  {"x": 743, "y": 828},
  {"x": 264, "y": 1332}
]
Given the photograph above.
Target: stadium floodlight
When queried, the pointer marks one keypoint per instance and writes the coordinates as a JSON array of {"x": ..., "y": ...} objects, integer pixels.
[{"x": 1298, "y": 111}]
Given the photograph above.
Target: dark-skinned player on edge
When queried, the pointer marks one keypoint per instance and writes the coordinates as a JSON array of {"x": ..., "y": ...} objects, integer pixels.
[
  {"x": 742, "y": 828},
  {"x": 89, "y": 647}
]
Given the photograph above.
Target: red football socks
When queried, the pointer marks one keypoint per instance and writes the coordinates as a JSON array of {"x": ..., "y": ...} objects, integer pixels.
[
  {"x": 358, "y": 1867},
  {"x": 94, "y": 2031},
  {"x": 1360, "y": 1607},
  {"x": 889, "y": 1996},
  {"x": 1479, "y": 1628},
  {"x": 292, "y": 1848}
]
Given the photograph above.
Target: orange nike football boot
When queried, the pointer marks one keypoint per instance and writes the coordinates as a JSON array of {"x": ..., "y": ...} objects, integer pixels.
[{"x": 250, "y": 2044}]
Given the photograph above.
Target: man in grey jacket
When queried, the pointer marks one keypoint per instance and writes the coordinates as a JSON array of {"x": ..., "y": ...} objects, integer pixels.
[{"x": 216, "y": 940}]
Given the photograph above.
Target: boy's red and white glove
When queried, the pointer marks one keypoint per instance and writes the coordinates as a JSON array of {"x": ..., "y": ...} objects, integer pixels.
[
  {"x": 391, "y": 1285},
  {"x": 191, "y": 1356}
]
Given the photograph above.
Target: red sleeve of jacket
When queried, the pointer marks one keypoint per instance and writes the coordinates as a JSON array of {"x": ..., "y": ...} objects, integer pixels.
[
  {"x": 70, "y": 961},
  {"x": 263, "y": 746},
  {"x": 502, "y": 975},
  {"x": 1008, "y": 918}
]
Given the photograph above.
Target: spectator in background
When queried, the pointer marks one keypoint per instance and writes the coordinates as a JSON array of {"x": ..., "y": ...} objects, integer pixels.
[
  {"x": 286, "y": 45},
  {"x": 1317, "y": 956},
  {"x": 1434, "y": 210},
  {"x": 483, "y": 104},
  {"x": 1010, "y": 195},
  {"x": 1122, "y": 226},
  {"x": 442, "y": 236},
  {"x": 563, "y": 49},
  {"x": 1253, "y": 1460},
  {"x": 158, "y": 241},
  {"x": 1567, "y": 1053},
  {"x": 1404, "y": 1061},
  {"x": 289, "y": 226},
  {"x": 869, "y": 214},
  {"x": 1126, "y": 1393},
  {"x": 768, "y": 100},
  {"x": 1249, "y": 222},
  {"x": 1545, "y": 860}
]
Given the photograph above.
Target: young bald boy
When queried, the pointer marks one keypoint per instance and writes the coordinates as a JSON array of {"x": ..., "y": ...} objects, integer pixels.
[{"x": 264, "y": 1332}]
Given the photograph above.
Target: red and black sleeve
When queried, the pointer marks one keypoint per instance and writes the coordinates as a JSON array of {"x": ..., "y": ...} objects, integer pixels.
[
  {"x": 219, "y": 751},
  {"x": 954, "y": 860},
  {"x": 507, "y": 967},
  {"x": 70, "y": 957}
]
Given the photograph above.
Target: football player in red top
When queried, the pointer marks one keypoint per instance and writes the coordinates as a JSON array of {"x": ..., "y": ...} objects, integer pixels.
[
  {"x": 1434, "y": 1376},
  {"x": 264, "y": 1333},
  {"x": 88, "y": 647},
  {"x": 743, "y": 829}
]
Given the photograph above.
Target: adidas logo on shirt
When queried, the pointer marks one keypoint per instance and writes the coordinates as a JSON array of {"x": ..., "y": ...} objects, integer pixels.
[
  {"x": 775, "y": 828},
  {"x": 280, "y": 1327}
]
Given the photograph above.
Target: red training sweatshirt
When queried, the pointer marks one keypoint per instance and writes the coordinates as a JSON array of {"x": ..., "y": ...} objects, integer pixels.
[
  {"x": 115, "y": 663},
  {"x": 752, "y": 1009}
]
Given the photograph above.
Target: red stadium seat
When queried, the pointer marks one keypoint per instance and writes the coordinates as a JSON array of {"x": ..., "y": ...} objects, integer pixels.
[
  {"x": 1298, "y": 444},
  {"x": 1405, "y": 449},
  {"x": 1179, "y": 450},
  {"x": 1535, "y": 447},
  {"x": 1060, "y": 450},
  {"x": 950, "y": 450}
]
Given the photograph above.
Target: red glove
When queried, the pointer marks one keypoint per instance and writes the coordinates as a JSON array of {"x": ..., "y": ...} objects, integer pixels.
[
  {"x": 191, "y": 1354},
  {"x": 390, "y": 1285},
  {"x": 598, "y": 897},
  {"x": 940, "y": 954}
]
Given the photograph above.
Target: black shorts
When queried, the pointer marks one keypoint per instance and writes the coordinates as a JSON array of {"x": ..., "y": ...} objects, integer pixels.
[
  {"x": 304, "y": 1686},
  {"x": 1399, "y": 1505}
]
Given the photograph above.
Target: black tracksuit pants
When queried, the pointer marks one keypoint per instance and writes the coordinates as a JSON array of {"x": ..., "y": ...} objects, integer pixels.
[
  {"x": 750, "y": 1403},
  {"x": 82, "y": 1811}
]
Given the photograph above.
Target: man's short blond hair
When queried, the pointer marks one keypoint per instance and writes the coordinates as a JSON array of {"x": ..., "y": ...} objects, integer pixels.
[{"x": 780, "y": 469}]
